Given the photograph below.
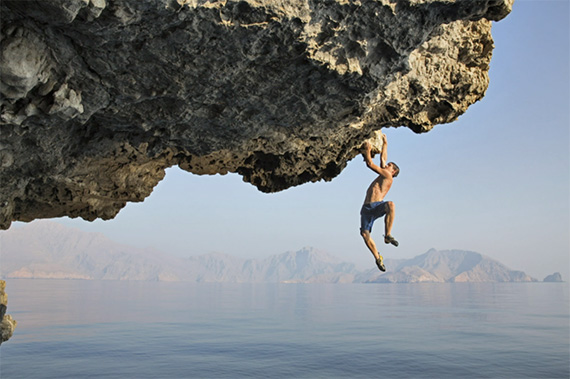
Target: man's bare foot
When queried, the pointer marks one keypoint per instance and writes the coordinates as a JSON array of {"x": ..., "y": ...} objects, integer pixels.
[
  {"x": 389, "y": 239},
  {"x": 380, "y": 263}
]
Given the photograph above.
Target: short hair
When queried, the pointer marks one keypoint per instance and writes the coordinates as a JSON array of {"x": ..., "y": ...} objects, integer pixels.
[{"x": 397, "y": 169}]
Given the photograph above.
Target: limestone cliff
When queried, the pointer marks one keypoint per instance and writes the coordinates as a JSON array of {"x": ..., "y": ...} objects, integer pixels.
[{"x": 100, "y": 96}]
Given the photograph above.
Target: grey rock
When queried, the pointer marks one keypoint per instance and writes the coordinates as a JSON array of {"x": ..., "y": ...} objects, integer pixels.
[{"x": 99, "y": 97}]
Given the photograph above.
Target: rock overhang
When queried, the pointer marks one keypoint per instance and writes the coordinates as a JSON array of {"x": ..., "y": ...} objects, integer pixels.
[{"x": 100, "y": 97}]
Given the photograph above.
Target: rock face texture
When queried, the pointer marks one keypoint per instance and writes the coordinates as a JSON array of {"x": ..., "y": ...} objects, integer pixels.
[
  {"x": 100, "y": 96},
  {"x": 7, "y": 323}
]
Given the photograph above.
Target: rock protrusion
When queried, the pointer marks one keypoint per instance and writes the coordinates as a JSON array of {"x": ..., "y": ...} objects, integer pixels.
[
  {"x": 7, "y": 323},
  {"x": 100, "y": 97}
]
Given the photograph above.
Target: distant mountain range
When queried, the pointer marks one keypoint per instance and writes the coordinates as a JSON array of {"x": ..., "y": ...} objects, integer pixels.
[{"x": 46, "y": 249}]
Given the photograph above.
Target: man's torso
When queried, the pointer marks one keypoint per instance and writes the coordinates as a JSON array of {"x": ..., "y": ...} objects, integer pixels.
[{"x": 378, "y": 189}]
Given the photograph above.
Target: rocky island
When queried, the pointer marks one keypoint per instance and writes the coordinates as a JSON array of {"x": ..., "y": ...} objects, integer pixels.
[{"x": 554, "y": 278}]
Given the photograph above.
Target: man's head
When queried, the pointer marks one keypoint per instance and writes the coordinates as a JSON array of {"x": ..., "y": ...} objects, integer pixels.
[{"x": 395, "y": 169}]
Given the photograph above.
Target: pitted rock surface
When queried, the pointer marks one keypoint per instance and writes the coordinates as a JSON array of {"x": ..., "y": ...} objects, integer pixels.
[{"x": 100, "y": 96}]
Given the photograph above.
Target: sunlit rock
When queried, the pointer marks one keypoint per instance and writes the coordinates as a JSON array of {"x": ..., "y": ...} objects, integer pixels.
[{"x": 7, "y": 323}]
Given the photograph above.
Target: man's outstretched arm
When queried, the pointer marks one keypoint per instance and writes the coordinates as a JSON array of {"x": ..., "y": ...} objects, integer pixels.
[{"x": 384, "y": 152}]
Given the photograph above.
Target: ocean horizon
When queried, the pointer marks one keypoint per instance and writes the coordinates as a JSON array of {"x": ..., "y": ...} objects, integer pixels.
[{"x": 112, "y": 329}]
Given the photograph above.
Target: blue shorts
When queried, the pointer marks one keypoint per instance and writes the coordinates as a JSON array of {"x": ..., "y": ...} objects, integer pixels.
[{"x": 371, "y": 212}]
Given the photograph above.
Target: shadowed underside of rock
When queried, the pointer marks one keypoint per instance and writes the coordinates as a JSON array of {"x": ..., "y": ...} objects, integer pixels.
[{"x": 100, "y": 96}]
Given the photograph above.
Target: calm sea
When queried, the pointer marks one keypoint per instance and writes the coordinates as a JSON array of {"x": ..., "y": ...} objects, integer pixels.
[{"x": 98, "y": 329}]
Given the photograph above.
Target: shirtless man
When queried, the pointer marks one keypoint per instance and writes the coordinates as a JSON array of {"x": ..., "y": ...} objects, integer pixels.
[{"x": 374, "y": 205}]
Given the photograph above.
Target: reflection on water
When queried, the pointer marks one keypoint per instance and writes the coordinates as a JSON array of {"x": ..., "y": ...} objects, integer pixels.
[{"x": 417, "y": 330}]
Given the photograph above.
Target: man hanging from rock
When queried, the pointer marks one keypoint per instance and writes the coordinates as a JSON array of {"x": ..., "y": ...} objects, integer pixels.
[{"x": 374, "y": 205}]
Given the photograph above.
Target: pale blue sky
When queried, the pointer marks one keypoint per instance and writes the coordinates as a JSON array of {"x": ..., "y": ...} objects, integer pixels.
[{"x": 496, "y": 181}]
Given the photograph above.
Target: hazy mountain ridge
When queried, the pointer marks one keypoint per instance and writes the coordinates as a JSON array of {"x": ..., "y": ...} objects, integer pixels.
[
  {"x": 452, "y": 266},
  {"x": 49, "y": 250}
]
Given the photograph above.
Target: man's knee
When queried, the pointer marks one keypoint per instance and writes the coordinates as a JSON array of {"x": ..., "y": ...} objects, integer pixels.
[
  {"x": 390, "y": 207},
  {"x": 364, "y": 233}
]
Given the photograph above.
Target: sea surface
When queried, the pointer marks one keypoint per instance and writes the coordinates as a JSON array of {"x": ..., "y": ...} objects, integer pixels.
[{"x": 104, "y": 329}]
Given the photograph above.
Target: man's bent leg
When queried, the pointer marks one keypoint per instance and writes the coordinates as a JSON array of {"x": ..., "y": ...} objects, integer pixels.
[
  {"x": 388, "y": 222},
  {"x": 372, "y": 247},
  {"x": 389, "y": 219},
  {"x": 369, "y": 243}
]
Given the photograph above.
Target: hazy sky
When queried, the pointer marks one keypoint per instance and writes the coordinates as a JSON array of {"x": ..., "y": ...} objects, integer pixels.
[{"x": 496, "y": 181}]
